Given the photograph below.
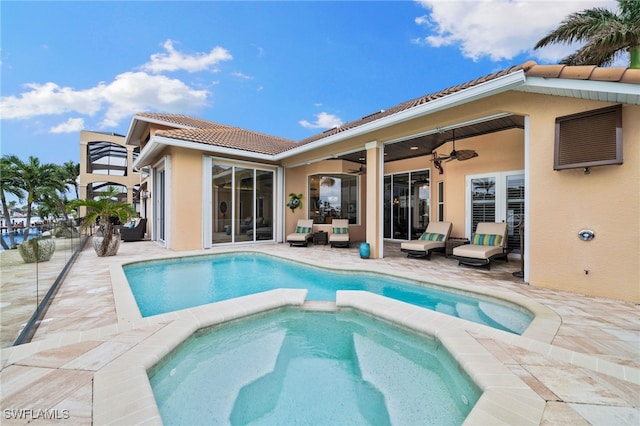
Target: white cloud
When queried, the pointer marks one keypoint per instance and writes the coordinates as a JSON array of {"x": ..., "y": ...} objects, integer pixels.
[
  {"x": 241, "y": 76},
  {"x": 132, "y": 92},
  {"x": 50, "y": 99},
  {"x": 70, "y": 126},
  {"x": 323, "y": 121},
  {"x": 129, "y": 93},
  {"x": 174, "y": 60},
  {"x": 499, "y": 29}
]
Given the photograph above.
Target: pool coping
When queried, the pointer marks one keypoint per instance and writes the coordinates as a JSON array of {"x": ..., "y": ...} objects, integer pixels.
[
  {"x": 123, "y": 394},
  {"x": 543, "y": 327}
]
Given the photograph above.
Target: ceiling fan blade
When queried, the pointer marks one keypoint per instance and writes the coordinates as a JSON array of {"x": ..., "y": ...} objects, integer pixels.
[{"x": 465, "y": 154}]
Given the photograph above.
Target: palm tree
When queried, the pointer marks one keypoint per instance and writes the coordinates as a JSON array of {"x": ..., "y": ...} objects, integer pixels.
[
  {"x": 9, "y": 185},
  {"x": 605, "y": 34},
  {"x": 71, "y": 171},
  {"x": 102, "y": 210},
  {"x": 37, "y": 180}
]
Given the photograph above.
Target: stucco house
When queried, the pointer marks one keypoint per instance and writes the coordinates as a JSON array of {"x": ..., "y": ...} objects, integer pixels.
[{"x": 555, "y": 148}]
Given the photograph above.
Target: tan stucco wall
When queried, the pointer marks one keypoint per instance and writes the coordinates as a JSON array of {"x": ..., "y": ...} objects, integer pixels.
[
  {"x": 606, "y": 201},
  {"x": 186, "y": 201}
]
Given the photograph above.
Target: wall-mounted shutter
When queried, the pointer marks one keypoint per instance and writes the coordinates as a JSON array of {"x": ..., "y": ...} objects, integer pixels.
[{"x": 592, "y": 138}]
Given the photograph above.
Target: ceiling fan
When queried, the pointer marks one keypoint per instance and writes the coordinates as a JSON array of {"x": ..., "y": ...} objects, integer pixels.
[
  {"x": 461, "y": 155},
  {"x": 362, "y": 170}
]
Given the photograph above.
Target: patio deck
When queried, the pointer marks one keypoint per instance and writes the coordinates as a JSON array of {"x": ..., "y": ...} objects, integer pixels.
[{"x": 81, "y": 334}]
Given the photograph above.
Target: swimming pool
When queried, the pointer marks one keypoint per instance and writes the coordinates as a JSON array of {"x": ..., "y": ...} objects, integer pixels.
[
  {"x": 294, "y": 367},
  {"x": 169, "y": 285}
]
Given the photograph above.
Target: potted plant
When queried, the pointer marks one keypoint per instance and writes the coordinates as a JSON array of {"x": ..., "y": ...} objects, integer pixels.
[{"x": 102, "y": 211}]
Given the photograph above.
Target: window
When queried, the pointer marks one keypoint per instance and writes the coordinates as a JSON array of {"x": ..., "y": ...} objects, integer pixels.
[
  {"x": 333, "y": 196},
  {"x": 592, "y": 138}
]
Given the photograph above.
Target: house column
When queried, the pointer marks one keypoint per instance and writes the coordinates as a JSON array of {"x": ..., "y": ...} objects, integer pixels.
[{"x": 375, "y": 175}]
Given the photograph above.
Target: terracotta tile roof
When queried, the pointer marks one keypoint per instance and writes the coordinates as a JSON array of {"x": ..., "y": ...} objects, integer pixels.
[
  {"x": 530, "y": 68},
  {"x": 234, "y": 138},
  {"x": 210, "y": 133},
  {"x": 411, "y": 104},
  {"x": 182, "y": 120},
  {"x": 584, "y": 72}
]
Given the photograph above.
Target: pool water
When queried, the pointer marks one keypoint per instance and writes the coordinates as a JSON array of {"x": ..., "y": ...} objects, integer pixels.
[
  {"x": 169, "y": 285},
  {"x": 19, "y": 237},
  {"x": 294, "y": 367}
]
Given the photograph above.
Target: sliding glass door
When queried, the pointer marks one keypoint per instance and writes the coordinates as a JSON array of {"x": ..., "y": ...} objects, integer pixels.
[
  {"x": 406, "y": 204},
  {"x": 242, "y": 203}
]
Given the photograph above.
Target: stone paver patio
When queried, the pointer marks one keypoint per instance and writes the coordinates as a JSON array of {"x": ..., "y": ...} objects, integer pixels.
[{"x": 586, "y": 367}]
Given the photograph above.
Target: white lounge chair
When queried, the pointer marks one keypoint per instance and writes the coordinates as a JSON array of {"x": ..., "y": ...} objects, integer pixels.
[
  {"x": 339, "y": 235},
  {"x": 303, "y": 233},
  {"x": 434, "y": 238},
  {"x": 488, "y": 243}
]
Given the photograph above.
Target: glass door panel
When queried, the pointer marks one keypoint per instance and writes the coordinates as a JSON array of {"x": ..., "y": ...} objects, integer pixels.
[
  {"x": 264, "y": 205},
  {"x": 401, "y": 206},
  {"x": 515, "y": 209},
  {"x": 420, "y": 202},
  {"x": 483, "y": 201},
  {"x": 387, "y": 207},
  {"x": 222, "y": 181},
  {"x": 244, "y": 217}
]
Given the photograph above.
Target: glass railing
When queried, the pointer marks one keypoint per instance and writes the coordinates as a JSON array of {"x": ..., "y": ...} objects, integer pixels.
[{"x": 31, "y": 273}]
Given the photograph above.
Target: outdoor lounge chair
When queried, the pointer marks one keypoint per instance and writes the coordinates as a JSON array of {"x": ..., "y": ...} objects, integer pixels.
[
  {"x": 303, "y": 233},
  {"x": 339, "y": 235},
  {"x": 488, "y": 243},
  {"x": 434, "y": 238},
  {"x": 134, "y": 234}
]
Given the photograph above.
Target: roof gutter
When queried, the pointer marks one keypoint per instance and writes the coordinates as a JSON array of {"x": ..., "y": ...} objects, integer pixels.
[
  {"x": 158, "y": 143},
  {"x": 612, "y": 91},
  {"x": 482, "y": 90}
]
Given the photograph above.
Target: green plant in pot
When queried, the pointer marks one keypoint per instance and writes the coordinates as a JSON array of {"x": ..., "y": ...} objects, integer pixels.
[{"x": 102, "y": 211}]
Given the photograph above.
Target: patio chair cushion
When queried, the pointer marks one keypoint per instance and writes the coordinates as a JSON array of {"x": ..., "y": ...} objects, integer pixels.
[
  {"x": 432, "y": 236},
  {"x": 340, "y": 231},
  {"x": 302, "y": 230},
  {"x": 421, "y": 245},
  {"x": 477, "y": 251},
  {"x": 487, "y": 240}
]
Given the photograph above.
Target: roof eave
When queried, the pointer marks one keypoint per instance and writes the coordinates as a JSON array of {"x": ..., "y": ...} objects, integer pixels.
[
  {"x": 482, "y": 90},
  {"x": 138, "y": 124},
  {"x": 607, "y": 91},
  {"x": 158, "y": 143}
]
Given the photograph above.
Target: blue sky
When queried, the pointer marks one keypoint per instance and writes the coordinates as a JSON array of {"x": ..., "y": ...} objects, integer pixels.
[{"x": 289, "y": 69}]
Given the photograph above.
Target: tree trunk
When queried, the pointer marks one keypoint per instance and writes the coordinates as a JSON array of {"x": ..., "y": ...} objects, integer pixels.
[{"x": 635, "y": 57}]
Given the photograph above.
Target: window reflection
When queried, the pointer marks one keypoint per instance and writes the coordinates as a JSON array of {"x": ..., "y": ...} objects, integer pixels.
[{"x": 333, "y": 196}]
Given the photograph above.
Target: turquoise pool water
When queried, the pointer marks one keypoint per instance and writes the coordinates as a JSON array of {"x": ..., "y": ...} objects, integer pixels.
[
  {"x": 291, "y": 367},
  {"x": 170, "y": 285}
]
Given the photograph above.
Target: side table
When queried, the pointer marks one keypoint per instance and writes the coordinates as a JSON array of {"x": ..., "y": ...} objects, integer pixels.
[
  {"x": 452, "y": 243},
  {"x": 321, "y": 237}
]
